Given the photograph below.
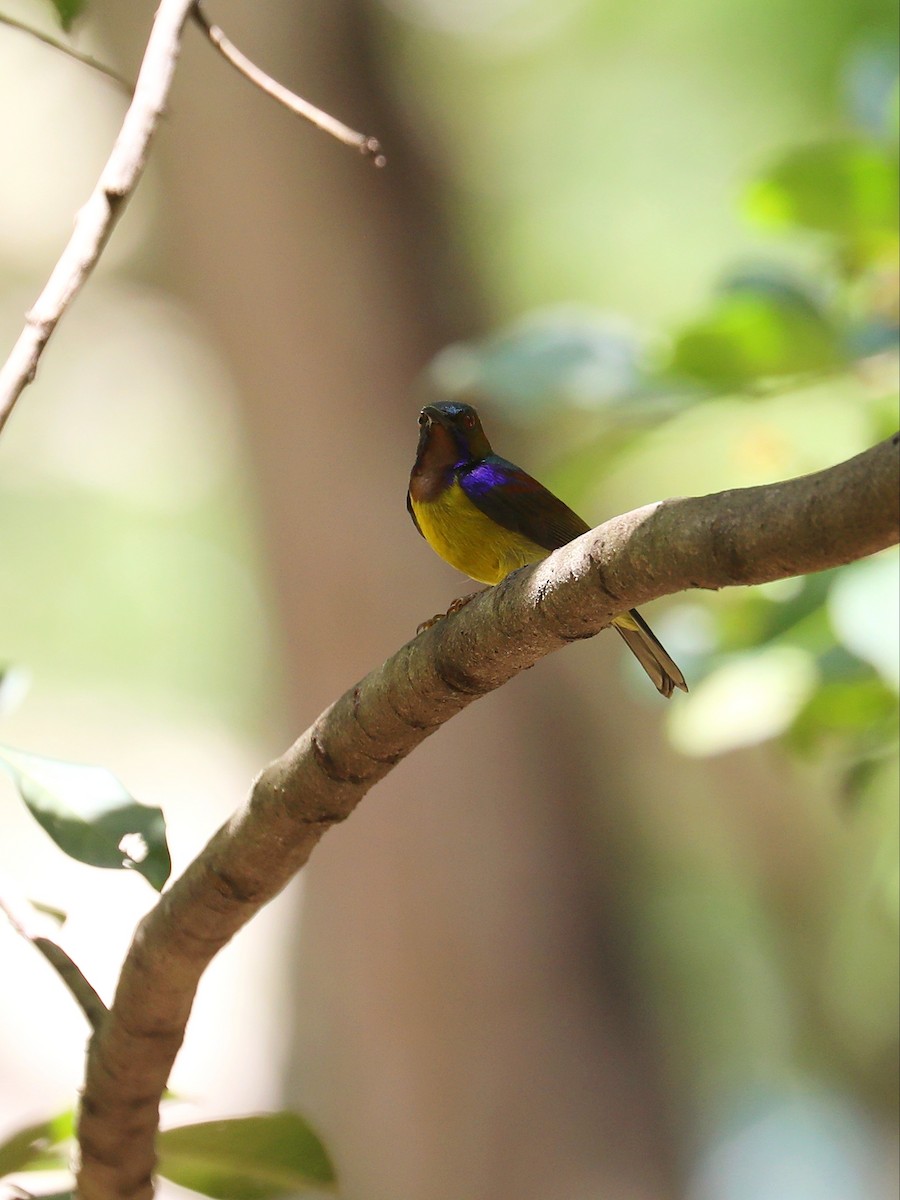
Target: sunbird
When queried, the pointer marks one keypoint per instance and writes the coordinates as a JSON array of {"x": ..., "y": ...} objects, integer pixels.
[{"x": 487, "y": 517}]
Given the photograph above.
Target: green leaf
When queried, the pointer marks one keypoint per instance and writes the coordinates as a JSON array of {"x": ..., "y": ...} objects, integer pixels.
[
  {"x": 749, "y": 699},
  {"x": 757, "y": 330},
  {"x": 67, "y": 11},
  {"x": 55, "y": 914},
  {"x": 90, "y": 815},
  {"x": 765, "y": 614},
  {"x": 864, "y": 710},
  {"x": 37, "y": 1146},
  {"x": 246, "y": 1158},
  {"x": 846, "y": 188}
]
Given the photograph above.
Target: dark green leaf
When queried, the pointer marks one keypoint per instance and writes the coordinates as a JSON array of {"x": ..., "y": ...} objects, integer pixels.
[
  {"x": 90, "y": 815},
  {"x": 33, "y": 1147},
  {"x": 846, "y": 188},
  {"x": 247, "y": 1158},
  {"x": 756, "y": 332},
  {"x": 67, "y": 11}
]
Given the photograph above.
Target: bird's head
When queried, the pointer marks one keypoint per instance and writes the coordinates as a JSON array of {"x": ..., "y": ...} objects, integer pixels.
[{"x": 451, "y": 431}]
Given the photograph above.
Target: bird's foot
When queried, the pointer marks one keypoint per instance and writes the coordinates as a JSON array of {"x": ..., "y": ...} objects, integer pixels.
[
  {"x": 461, "y": 602},
  {"x": 430, "y": 623}
]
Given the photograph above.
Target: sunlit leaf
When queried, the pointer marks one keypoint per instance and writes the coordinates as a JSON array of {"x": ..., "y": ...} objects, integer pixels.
[
  {"x": 756, "y": 332},
  {"x": 747, "y": 700},
  {"x": 14, "y": 683},
  {"x": 68, "y": 10},
  {"x": 90, "y": 815},
  {"x": 37, "y": 1147},
  {"x": 847, "y": 188},
  {"x": 246, "y": 1158},
  {"x": 864, "y": 609}
]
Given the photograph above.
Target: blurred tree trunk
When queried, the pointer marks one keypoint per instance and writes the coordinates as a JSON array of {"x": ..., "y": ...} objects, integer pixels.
[{"x": 459, "y": 1031}]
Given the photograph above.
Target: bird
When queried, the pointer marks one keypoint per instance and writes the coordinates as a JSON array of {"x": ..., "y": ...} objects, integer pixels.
[{"x": 487, "y": 517}]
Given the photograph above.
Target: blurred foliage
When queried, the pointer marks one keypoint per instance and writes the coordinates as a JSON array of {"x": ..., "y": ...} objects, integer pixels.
[
  {"x": 596, "y": 146},
  {"x": 38, "y": 1147},
  {"x": 759, "y": 327},
  {"x": 149, "y": 518},
  {"x": 813, "y": 662},
  {"x": 789, "y": 367},
  {"x": 844, "y": 188},
  {"x": 67, "y": 11}
]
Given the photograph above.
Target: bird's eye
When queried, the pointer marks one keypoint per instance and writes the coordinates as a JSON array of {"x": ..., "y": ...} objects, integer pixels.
[{"x": 423, "y": 419}]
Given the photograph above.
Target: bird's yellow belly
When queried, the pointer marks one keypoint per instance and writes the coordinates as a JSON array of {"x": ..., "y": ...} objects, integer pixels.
[{"x": 470, "y": 541}]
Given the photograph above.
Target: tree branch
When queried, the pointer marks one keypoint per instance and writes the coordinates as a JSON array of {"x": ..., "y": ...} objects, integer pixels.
[
  {"x": 96, "y": 220},
  {"x": 120, "y": 176},
  {"x": 740, "y": 537},
  {"x": 368, "y": 146}
]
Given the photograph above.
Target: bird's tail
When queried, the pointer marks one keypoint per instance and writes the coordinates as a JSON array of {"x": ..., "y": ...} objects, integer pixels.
[{"x": 649, "y": 651}]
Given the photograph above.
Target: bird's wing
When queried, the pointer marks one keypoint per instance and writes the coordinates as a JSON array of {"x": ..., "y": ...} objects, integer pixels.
[
  {"x": 512, "y": 498},
  {"x": 409, "y": 509}
]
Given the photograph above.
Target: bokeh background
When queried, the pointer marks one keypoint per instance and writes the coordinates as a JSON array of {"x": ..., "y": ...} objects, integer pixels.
[{"x": 583, "y": 944}]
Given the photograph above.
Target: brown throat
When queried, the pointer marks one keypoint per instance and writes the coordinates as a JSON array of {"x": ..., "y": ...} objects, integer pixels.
[{"x": 433, "y": 470}]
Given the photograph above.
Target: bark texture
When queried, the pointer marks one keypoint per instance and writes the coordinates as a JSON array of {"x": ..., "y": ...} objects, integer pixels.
[{"x": 740, "y": 537}]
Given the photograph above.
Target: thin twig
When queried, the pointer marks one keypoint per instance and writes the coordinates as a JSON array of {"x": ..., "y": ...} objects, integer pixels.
[
  {"x": 20, "y": 916},
  {"x": 96, "y": 220},
  {"x": 69, "y": 51},
  {"x": 368, "y": 146}
]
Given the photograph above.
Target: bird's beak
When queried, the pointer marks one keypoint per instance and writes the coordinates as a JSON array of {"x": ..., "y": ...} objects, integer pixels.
[
  {"x": 426, "y": 418},
  {"x": 433, "y": 414}
]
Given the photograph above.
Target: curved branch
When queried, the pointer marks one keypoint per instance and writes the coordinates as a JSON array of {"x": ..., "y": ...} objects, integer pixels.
[
  {"x": 96, "y": 220},
  {"x": 747, "y": 536},
  {"x": 368, "y": 146},
  {"x": 124, "y": 167}
]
